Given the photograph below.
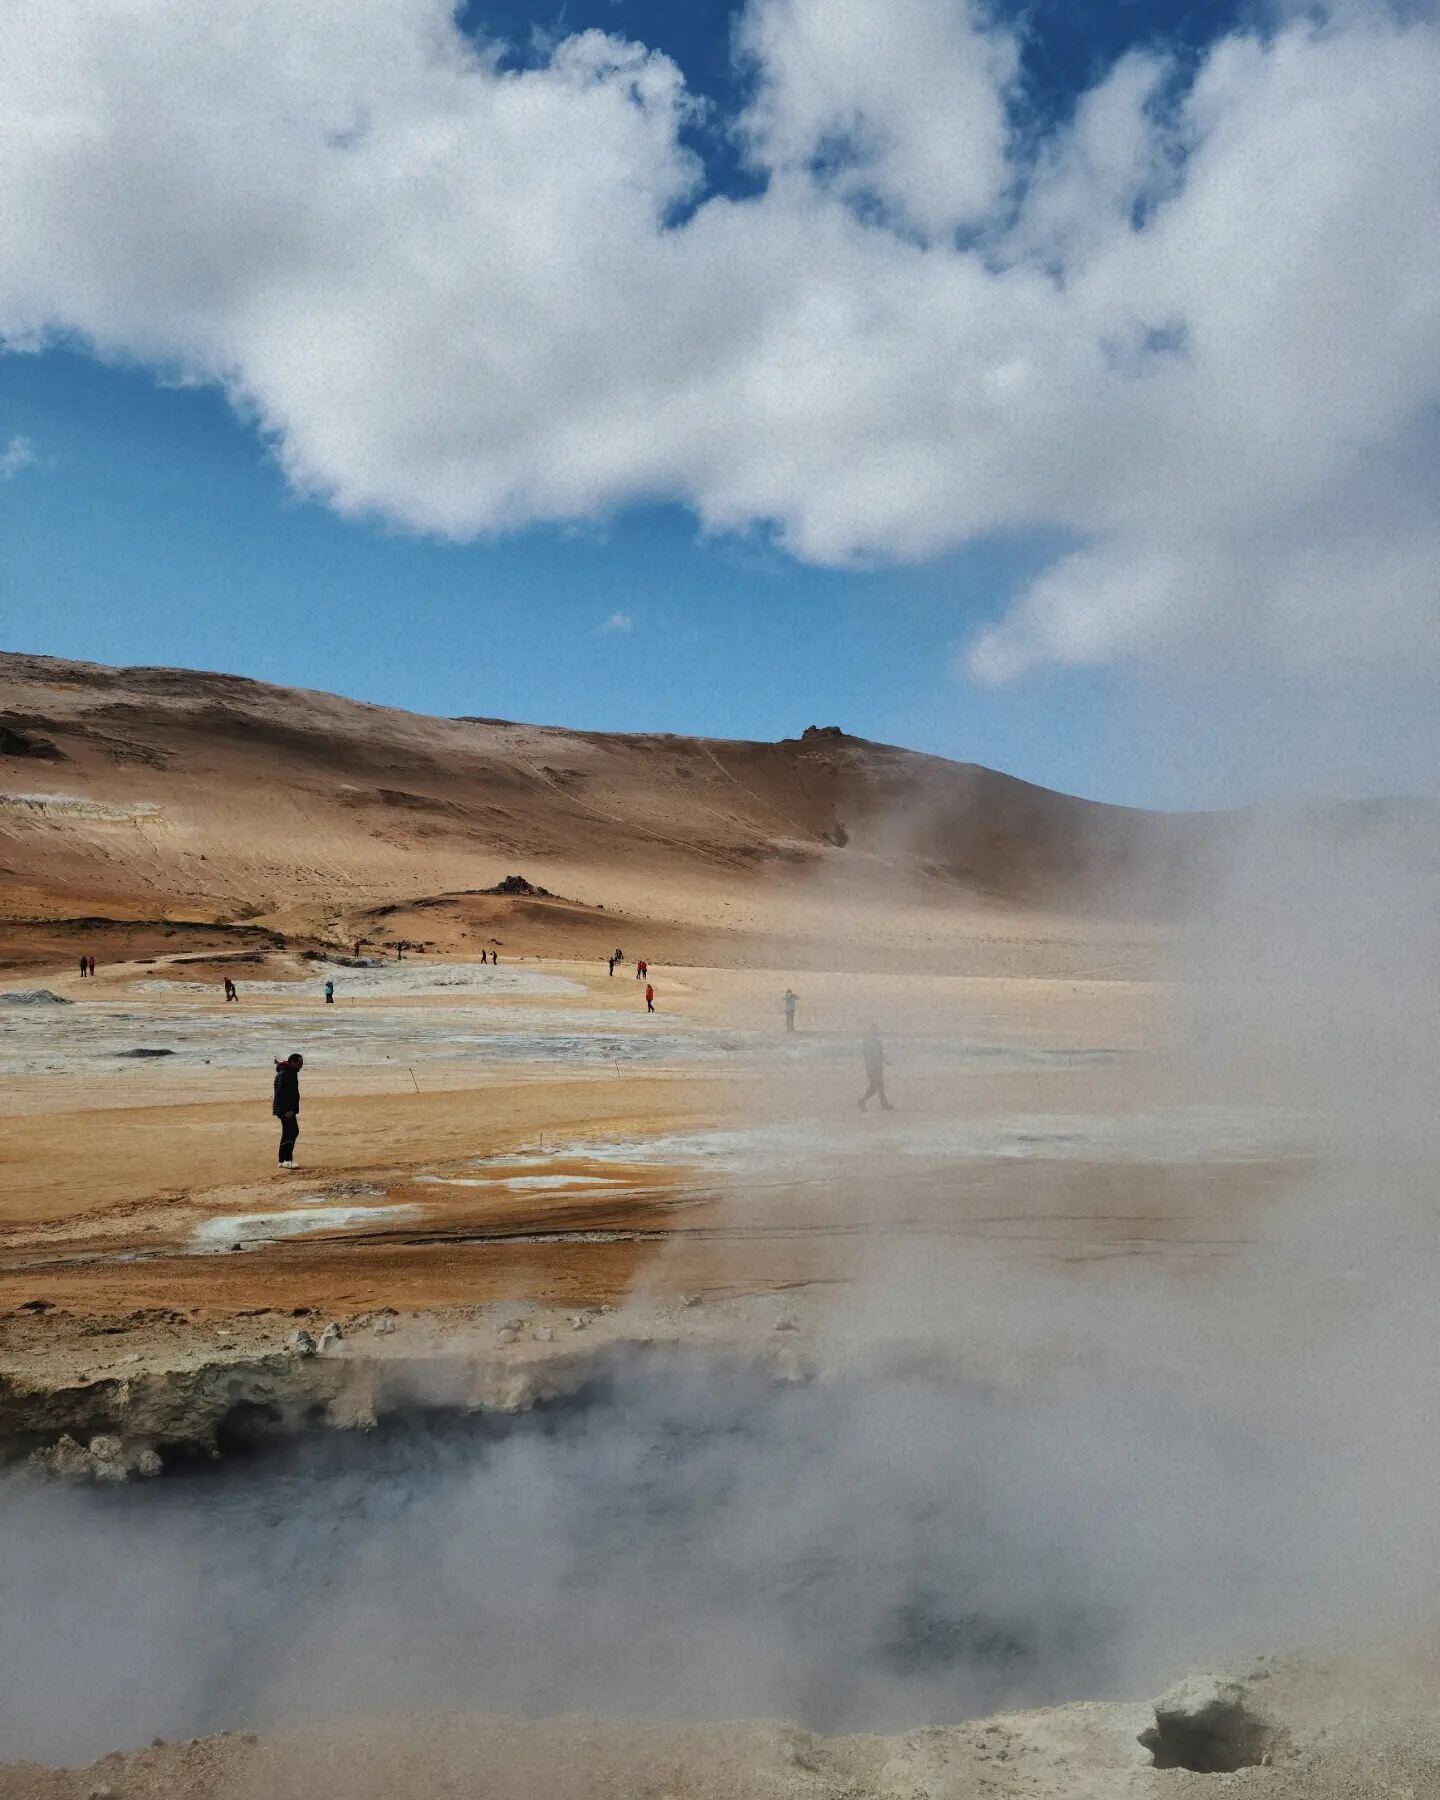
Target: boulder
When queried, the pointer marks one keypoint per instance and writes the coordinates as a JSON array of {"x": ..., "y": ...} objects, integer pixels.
[
  {"x": 1210, "y": 1724},
  {"x": 64, "y": 1458}
]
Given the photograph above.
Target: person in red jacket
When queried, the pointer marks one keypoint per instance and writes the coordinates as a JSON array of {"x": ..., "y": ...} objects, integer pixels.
[{"x": 649, "y": 998}]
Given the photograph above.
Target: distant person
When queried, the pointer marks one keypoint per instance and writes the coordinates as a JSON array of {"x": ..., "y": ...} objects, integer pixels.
[
  {"x": 609, "y": 964},
  {"x": 873, "y": 1052},
  {"x": 231, "y": 991},
  {"x": 92, "y": 968},
  {"x": 84, "y": 968},
  {"x": 329, "y": 993},
  {"x": 494, "y": 959},
  {"x": 649, "y": 998},
  {"x": 286, "y": 1106},
  {"x": 400, "y": 951},
  {"x": 791, "y": 1001},
  {"x": 358, "y": 943}
]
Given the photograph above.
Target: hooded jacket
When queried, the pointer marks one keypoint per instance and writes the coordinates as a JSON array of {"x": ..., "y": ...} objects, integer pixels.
[{"x": 287, "y": 1090}]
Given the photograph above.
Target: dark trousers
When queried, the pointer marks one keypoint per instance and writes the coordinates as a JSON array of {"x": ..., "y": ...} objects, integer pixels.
[
  {"x": 289, "y": 1131},
  {"x": 877, "y": 1086}
]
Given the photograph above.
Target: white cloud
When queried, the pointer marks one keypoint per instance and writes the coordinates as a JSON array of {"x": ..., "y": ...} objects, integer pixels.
[
  {"x": 902, "y": 102},
  {"x": 619, "y": 621},
  {"x": 452, "y": 295},
  {"x": 15, "y": 457}
]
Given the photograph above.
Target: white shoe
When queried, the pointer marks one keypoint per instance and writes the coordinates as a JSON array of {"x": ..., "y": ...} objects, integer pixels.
[{"x": 287, "y": 1165}]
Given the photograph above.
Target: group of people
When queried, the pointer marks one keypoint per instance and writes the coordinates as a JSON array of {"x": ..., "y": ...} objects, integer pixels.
[
  {"x": 642, "y": 973},
  {"x": 87, "y": 966},
  {"x": 872, "y": 1053},
  {"x": 286, "y": 1103}
]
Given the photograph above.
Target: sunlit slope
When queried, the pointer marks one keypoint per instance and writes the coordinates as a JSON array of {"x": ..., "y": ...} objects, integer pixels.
[{"x": 150, "y": 793}]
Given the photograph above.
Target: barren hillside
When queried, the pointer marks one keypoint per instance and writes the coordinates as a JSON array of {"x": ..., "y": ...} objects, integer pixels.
[{"x": 142, "y": 801}]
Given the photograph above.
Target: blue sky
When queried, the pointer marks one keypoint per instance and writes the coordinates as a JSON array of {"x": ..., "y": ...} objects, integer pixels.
[
  {"x": 154, "y": 526},
  {"x": 156, "y": 529}
]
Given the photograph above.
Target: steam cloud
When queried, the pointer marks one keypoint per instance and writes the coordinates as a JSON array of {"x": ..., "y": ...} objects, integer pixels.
[{"x": 1136, "y": 1470}]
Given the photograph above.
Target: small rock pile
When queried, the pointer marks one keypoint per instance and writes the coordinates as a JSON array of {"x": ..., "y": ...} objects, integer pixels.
[
  {"x": 107, "y": 1458},
  {"x": 517, "y": 884}
]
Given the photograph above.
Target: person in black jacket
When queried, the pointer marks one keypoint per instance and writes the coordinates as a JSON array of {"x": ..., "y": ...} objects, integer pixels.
[{"x": 286, "y": 1107}]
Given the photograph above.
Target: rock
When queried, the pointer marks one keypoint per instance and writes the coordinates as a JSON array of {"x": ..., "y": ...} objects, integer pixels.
[
  {"x": 544, "y": 1334},
  {"x": 33, "y": 997},
  {"x": 103, "y": 1791},
  {"x": 517, "y": 884},
  {"x": 64, "y": 1459},
  {"x": 300, "y": 1342},
  {"x": 384, "y": 1325},
  {"x": 106, "y": 1459},
  {"x": 577, "y": 1321},
  {"x": 332, "y": 1334},
  {"x": 1207, "y": 1723},
  {"x": 22, "y": 743},
  {"x": 507, "y": 1334}
]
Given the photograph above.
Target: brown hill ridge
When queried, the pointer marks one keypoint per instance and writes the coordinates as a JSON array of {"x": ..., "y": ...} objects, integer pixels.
[{"x": 212, "y": 800}]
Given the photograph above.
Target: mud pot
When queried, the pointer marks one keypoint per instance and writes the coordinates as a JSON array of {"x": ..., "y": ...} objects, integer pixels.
[{"x": 684, "y": 1536}]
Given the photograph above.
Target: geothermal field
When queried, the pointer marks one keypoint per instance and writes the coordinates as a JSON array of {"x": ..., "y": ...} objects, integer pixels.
[{"x": 605, "y": 1403}]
